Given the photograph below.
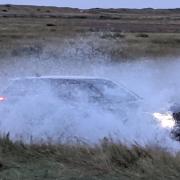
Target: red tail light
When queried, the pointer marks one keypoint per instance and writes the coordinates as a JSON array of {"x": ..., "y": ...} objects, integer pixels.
[{"x": 2, "y": 98}]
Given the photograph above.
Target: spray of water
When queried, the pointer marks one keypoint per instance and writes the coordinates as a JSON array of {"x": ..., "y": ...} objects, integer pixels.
[{"x": 157, "y": 82}]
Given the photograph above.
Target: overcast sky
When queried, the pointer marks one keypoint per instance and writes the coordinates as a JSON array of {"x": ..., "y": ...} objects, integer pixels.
[{"x": 100, "y": 3}]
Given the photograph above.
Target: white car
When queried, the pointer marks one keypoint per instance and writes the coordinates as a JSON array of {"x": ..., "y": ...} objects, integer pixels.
[
  {"x": 39, "y": 98},
  {"x": 95, "y": 88},
  {"x": 64, "y": 107},
  {"x": 74, "y": 91}
]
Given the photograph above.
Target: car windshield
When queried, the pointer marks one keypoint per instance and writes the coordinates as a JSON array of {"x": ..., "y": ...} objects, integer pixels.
[{"x": 68, "y": 88}]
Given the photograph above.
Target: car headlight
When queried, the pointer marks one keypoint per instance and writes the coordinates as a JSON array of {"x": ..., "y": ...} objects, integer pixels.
[{"x": 165, "y": 119}]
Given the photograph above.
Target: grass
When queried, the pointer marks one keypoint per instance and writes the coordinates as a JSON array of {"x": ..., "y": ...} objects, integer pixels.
[
  {"x": 116, "y": 46},
  {"x": 120, "y": 34},
  {"x": 108, "y": 160}
]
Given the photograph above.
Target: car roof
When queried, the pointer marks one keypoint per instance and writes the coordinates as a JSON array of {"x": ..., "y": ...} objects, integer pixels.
[
  {"x": 78, "y": 78},
  {"x": 61, "y": 77},
  {"x": 68, "y": 78}
]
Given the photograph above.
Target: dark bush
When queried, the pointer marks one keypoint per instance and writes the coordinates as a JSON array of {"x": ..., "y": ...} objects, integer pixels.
[
  {"x": 50, "y": 24},
  {"x": 142, "y": 35},
  {"x": 4, "y": 10}
]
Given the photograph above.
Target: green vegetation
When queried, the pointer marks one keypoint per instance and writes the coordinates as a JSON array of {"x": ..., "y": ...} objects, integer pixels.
[{"x": 108, "y": 160}]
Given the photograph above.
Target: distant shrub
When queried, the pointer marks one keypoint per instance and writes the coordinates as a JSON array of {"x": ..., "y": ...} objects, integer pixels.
[
  {"x": 4, "y": 10},
  {"x": 142, "y": 35},
  {"x": 50, "y": 24},
  {"x": 104, "y": 17}
]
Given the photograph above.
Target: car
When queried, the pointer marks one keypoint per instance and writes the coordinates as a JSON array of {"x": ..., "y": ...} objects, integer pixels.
[
  {"x": 65, "y": 102},
  {"x": 102, "y": 92}
]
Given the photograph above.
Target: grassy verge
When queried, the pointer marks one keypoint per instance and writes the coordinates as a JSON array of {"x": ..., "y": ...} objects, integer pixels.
[
  {"x": 114, "y": 46},
  {"x": 108, "y": 160}
]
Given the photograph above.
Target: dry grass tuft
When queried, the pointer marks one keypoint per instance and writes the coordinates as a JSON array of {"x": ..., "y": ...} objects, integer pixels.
[{"x": 81, "y": 161}]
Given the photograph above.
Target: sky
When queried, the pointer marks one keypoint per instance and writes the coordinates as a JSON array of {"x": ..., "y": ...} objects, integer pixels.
[{"x": 84, "y": 4}]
